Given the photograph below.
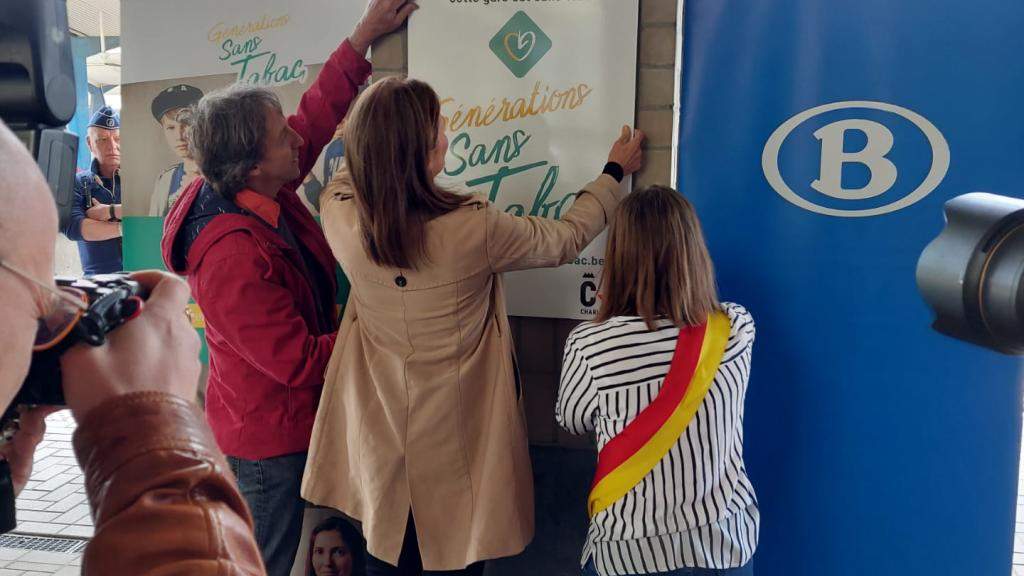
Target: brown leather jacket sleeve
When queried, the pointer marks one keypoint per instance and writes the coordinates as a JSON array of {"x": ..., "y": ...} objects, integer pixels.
[{"x": 162, "y": 496}]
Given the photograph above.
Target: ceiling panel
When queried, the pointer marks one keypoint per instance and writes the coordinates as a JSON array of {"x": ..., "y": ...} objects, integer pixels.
[{"x": 84, "y": 17}]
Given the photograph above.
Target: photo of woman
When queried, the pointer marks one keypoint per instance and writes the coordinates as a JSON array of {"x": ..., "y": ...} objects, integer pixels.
[
  {"x": 331, "y": 546},
  {"x": 335, "y": 549}
]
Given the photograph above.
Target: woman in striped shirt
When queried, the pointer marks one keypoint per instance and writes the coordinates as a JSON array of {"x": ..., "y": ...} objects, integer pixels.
[{"x": 671, "y": 495}]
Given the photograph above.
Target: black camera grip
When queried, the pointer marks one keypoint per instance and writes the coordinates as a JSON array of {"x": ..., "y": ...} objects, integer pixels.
[{"x": 8, "y": 521}]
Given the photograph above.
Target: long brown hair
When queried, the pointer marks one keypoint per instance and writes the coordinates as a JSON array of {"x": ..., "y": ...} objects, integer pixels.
[
  {"x": 389, "y": 135},
  {"x": 656, "y": 262}
]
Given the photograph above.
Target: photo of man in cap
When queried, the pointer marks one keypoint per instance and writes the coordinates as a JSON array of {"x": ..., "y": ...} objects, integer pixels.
[
  {"x": 171, "y": 110},
  {"x": 95, "y": 221}
]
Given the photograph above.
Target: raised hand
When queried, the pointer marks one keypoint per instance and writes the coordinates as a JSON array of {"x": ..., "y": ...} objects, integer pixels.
[
  {"x": 627, "y": 151},
  {"x": 380, "y": 18}
]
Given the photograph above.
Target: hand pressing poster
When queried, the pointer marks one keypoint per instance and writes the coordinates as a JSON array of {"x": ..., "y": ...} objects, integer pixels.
[{"x": 534, "y": 94}]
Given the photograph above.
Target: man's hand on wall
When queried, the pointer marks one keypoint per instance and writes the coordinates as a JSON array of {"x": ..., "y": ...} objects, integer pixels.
[{"x": 380, "y": 18}]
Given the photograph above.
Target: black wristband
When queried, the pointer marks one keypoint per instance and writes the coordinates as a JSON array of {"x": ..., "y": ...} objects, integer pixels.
[
  {"x": 614, "y": 169},
  {"x": 113, "y": 214}
]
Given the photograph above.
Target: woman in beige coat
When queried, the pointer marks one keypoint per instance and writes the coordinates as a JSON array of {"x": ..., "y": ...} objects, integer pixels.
[{"x": 421, "y": 415}]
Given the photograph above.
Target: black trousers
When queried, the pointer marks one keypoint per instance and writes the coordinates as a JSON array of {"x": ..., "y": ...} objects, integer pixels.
[{"x": 409, "y": 563}]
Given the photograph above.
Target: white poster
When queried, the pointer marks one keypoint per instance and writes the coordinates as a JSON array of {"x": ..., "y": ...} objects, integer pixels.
[
  {"x": 534, "y": 93},
  {"x": 267, "y": 41},
  {"x": 175, "y": 52}
]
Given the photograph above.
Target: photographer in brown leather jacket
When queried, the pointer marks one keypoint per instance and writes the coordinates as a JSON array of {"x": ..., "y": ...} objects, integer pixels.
[{"x": 163, "y": 499}]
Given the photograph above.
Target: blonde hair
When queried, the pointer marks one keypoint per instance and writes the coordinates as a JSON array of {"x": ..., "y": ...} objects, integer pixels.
[{"x": 656, "y": 262}]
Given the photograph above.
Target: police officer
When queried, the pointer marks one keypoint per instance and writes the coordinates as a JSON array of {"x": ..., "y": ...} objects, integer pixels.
[
  {"x": 95, "y": 221},
  {"x": 170, "y": 109}
]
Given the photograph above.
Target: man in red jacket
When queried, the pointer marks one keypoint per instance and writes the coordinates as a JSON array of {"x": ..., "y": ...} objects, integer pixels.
[{"x": 263, "y": 274}]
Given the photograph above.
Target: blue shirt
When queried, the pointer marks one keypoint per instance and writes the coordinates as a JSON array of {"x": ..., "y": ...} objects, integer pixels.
[{"x": 101, "y": 256}]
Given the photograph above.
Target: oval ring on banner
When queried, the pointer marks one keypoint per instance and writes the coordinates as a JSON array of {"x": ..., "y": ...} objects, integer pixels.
[{"x": 880, "y": 141}]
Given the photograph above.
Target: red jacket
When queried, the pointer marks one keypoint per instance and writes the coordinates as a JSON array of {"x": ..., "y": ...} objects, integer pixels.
[{"x": 268, "y": 335}]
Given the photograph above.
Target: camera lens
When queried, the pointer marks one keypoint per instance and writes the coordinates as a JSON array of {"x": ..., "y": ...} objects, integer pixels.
[{"x": 971, "y": 274}]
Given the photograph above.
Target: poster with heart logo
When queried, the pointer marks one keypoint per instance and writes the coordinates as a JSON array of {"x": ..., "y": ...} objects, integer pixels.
[{"x": 534, "y": 94}]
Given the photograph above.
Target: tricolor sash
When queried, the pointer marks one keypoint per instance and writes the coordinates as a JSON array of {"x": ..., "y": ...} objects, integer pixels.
[{"x": 632, "y": 454}]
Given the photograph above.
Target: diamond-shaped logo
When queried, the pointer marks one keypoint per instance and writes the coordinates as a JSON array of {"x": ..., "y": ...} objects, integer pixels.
[{"x": 520, "y": 44}]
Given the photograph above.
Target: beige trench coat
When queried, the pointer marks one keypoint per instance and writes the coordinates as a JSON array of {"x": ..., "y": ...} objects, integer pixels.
[{"x": 420, "y": 409}]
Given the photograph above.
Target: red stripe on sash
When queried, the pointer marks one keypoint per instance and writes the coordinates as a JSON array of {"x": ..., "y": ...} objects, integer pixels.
[{"x": 638, "y": 432}]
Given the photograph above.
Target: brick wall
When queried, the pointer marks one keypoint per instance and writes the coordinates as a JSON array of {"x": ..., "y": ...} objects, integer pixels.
[{"x": 539, "y": 341}]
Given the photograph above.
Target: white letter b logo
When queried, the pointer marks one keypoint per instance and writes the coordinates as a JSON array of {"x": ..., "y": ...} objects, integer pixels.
[
  {"x": 873, "y": 156},
  {"x": 879, "y": 143}
]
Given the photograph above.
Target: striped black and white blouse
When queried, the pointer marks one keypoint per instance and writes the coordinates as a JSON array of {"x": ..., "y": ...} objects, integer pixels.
[{"x": 696, "y": 508}]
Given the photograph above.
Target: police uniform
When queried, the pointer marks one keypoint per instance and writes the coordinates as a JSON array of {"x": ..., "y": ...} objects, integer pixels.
[
  {"x": 101, "y": 256},
  {"x": 170, "y": 182}
]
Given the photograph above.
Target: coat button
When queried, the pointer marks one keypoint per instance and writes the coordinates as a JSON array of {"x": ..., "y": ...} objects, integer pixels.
[{"x": 400, "y": 280}]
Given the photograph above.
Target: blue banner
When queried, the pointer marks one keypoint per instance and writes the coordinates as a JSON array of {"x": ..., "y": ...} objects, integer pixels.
[{"x": 819, "y": 140}]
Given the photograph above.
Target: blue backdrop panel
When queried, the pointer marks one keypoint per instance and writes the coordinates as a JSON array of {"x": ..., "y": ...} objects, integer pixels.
[{"x": 877, "y": 446}]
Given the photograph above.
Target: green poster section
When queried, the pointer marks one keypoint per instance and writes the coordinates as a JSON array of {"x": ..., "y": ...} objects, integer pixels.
[
  {"x": 142, "y": 243},
  {"x": 142, "y": 252}
]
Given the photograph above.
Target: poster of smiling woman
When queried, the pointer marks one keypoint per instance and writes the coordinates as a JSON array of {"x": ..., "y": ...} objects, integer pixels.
[
  {"x": 175, "y": 52},
  {"x": 532, "y": 92},
  {"x": 331, "y": 545}
]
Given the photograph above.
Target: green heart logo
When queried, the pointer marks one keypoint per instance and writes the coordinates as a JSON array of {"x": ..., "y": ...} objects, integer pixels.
[
  {"x": 525, "y": 42},
  {"x": 520, "y": 44}
]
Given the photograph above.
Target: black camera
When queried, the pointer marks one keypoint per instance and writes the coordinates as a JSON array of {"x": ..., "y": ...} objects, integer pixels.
[
  {"x": 37, "y": 90},
  {"x": 972, "y": 274},
  {"x": 112, "y": 299}
]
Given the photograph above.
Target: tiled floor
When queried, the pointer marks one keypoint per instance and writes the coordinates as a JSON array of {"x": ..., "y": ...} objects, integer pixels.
[
  {"x": 52, "y": 504},
  {"x": 15, "y": 562}
]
